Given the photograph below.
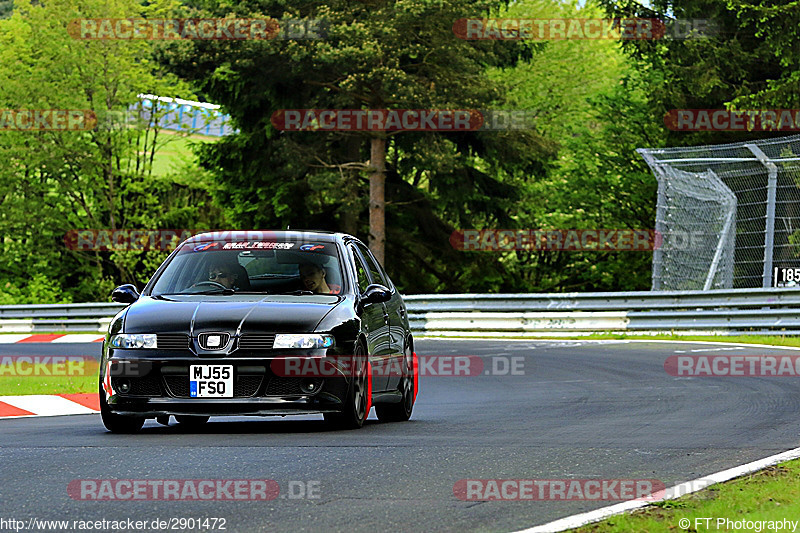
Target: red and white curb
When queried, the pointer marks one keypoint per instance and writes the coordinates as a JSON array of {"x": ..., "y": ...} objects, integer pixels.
[
  {"x": 49, "y": 405},
  {"x": 78, "y": 338},
  {"x": 45, "y": 405}
]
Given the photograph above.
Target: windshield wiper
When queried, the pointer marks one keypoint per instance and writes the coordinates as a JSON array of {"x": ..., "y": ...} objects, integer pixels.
[
  {"x": 299, "y": 292},
  {"x": 212, "y": 291},
  {"x": 209, "y": 291}
]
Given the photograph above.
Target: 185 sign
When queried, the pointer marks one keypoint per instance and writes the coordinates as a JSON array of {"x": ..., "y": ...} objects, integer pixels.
[{"x": 783, "y": 276}]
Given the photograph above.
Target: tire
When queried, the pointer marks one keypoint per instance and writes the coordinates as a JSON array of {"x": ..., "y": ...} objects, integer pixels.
[
  {"x": 191, "y": 421},
  {"x": 356, "y": 404},
  {"x": 400, "y": 412},
  {"x": 118, "y": 423}
]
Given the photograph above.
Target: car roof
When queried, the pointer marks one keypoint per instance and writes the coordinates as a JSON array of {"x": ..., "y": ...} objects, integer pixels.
[{"x": 269, "y": 235}]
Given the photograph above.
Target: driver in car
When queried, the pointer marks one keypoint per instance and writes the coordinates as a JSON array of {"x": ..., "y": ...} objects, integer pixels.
[{"x": 224, "y": 275}]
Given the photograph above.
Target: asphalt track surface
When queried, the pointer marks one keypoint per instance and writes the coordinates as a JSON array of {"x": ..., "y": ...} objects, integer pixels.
[{"x": 579, "y": 410}]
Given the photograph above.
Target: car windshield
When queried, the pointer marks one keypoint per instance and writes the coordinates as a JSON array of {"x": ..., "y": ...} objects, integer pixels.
[{"x": 263, "y": 267}]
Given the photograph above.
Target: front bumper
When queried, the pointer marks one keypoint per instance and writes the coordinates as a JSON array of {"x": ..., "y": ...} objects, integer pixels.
[
  {"x": 152, "y": 408},
  {"x": 157, "y": 386}
]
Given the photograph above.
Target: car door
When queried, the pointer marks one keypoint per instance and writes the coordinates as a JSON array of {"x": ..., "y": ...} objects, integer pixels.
[
  {"x": 373, "y": 317},
  {"x": 398, "y": 329},
  {"x": 395, "y": 315}
]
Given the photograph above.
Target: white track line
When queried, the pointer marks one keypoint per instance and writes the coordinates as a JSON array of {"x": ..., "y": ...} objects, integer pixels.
[
  {"x": 86, "y": 338},
  {"x": 613, "y": 341},
  {"x": 671, "y": 493},
  {"x": 13, "y": 338}
]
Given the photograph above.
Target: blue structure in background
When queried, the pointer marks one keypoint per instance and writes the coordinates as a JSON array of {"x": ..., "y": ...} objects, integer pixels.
[{"x": 185, "y": 115}]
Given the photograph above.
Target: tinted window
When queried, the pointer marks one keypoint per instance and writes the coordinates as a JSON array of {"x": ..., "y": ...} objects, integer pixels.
[
  {"x": 361, "y": 271},
  {"x": 389, "y": 284},
  {"x": 252, "y": 266},
  {"x": 372, "y": 265}
]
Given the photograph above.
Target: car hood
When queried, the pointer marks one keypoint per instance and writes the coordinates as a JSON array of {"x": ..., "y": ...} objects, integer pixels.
[{"x": 235, "y": 313}]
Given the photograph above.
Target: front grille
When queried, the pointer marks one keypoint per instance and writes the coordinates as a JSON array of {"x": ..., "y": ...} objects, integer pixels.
[
  {"x": 172, "y": 341},
  {"x": 178, "y": 385},
  {"x": 144, "y": 386},
  {"x": 281, "y": 386},
  {"x": 256, "y": 341},
  {"x": 244, "y": 386}
]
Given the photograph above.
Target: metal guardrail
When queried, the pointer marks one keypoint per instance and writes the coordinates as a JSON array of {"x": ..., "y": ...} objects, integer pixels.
[
  {"x": 88, "y": 317},
  {"x": 606, "y": 301},
  {"x": 733, "y": 311}
]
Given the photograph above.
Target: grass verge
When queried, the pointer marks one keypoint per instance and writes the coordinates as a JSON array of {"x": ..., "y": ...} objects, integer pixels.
[
  {"x": 84, "y": 380},
  {"x": 769, "y": 495},
  {"x": 743, "y": 339},
  {"x": 176, "y": 151},
  {"x": 775, "y": 340}
]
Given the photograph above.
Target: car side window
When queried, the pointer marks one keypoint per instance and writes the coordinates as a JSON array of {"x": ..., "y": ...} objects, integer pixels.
[
  {"x": 372, "y": 264},
  {"x": 389, "y": 284},
  {"x": 361, "y": 271}
]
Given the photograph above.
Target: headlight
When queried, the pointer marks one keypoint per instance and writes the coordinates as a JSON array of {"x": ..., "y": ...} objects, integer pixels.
[
  {"x": 134, "y": 340},
  {"x": 307, "y": 340}
]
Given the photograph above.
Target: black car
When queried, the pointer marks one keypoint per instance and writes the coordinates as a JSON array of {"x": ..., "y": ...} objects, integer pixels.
[{"x": 260, "y": 323}]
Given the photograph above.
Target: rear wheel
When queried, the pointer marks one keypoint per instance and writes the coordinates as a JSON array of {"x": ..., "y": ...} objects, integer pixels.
[
  {"x": 118, "y": 423},
  {"x": 400, "y": 412},
  {"x": 355, "y": 406}
]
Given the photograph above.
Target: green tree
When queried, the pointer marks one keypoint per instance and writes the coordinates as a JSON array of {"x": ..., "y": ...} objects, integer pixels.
[
  {"x": 778, "y": 25},
  {"x": 54, "y": 181},
  {"x": 589, "y": 102},
  {"x": 750, "y": 62},
  {"x": 6, "y": 6},
  {"x": 386, "y": 54}
]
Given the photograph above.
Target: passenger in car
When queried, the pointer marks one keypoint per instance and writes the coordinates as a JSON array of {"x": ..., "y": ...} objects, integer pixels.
[{"x": 313, "y": 278}]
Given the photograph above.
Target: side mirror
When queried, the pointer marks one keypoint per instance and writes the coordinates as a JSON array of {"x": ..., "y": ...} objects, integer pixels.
[
  {"x": 377, "y": 293},
  {"x": 125, "y": 294}
]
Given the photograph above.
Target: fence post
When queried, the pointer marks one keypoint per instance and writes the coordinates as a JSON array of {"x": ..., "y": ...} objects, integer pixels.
[
  {"x": 769, "y": 229},
  {"x": 656, "y": 282},
  {"x": 718, "y": 253}
]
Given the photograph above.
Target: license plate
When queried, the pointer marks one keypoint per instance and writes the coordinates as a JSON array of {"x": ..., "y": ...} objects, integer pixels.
[{"x": 211, "y": 381}]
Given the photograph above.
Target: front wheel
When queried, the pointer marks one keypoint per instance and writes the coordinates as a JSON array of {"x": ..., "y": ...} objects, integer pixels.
[
  {"x": 118, "y": 423},
  {"x": 356, "y": 405}
]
